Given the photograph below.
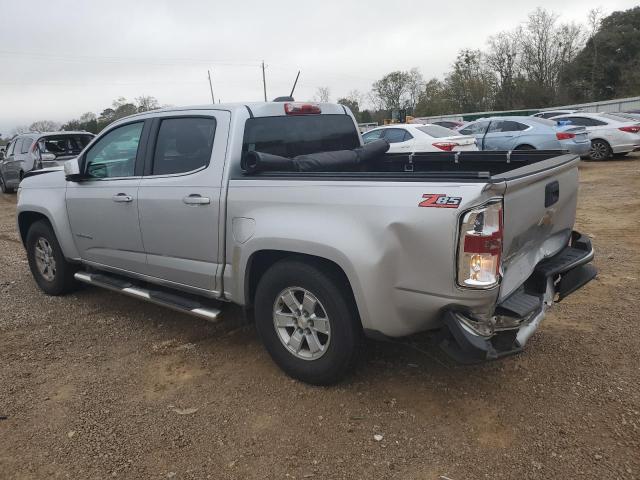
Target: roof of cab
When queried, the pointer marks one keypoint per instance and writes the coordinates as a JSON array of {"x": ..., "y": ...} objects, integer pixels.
[{"x": 257, "y": 109}]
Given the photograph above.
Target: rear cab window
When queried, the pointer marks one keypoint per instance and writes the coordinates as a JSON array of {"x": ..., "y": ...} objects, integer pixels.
[{"x": 290, "y": 136}]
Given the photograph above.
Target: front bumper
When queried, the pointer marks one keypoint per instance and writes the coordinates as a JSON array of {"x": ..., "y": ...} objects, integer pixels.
[{"x": 518, "y": 317}]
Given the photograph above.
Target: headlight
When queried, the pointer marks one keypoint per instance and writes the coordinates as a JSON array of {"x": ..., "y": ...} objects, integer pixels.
[{"x": 480, "y": 246}]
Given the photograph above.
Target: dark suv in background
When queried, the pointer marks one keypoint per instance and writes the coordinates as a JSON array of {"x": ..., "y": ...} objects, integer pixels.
[{"x": 33, "y": 150}]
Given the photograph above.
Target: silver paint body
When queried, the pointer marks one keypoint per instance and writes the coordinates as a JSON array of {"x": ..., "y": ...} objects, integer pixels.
[{"x": 400, "y": 259}]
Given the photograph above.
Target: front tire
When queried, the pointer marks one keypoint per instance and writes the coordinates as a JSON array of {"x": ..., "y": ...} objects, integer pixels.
[
  {"x": 306, "y": 318},
  {"x": 51, "y": 271},
  {"x": 600, "y": 150}
]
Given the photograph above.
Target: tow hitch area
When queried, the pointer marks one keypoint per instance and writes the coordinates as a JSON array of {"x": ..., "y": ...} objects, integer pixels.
[{"x": 518, "y": 316}]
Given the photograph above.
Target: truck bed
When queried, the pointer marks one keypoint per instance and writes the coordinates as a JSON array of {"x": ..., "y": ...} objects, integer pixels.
[{"x": 489, "y": 166}]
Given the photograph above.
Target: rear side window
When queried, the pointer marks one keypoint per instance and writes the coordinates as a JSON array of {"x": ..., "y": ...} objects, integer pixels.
[
  {"x": 183, "y": 145},
  {"x": 372, "y": 135},
  {"x": 10, "y": 148},
  {"x": 396, "y": 135},
  {"x": 290, "y": 136},
  {"x": 17, "y": 148},
  {"x": 510, "y": 126},
  {"x": 64, "y": 145},
  {"x": 437, "y": 131}
]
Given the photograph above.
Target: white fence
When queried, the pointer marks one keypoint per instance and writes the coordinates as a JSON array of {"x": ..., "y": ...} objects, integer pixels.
[{"x": 617, "y": 105}]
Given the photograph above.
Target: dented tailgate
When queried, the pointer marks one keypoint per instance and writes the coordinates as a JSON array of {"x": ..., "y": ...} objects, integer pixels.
[{"x": 539, "y": 213}]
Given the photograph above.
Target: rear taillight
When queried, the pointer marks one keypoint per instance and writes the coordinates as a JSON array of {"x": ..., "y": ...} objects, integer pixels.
[
  {"x": 302, "y": 109},
  {"x": 565, "y": 136},
  {"x": 631, "y": 129},
  {"x": 446, "y": 146},
  {"x": 480, "y": 246}
]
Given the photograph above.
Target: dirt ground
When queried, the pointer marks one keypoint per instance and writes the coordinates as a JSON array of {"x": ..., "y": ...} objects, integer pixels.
[{"x": 95, "y": 385}]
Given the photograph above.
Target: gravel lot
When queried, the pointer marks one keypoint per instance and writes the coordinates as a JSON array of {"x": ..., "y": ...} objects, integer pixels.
[{"x": 95, "y": 385}]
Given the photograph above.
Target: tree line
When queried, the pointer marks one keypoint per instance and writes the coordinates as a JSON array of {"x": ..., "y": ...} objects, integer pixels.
[{"x": 542, "y": 63}]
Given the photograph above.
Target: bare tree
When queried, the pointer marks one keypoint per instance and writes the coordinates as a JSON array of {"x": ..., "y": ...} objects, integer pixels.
[
  {"x": 322, "y": 95},
  {"x": 415, "y": 88},
  {"x": 594, "y": 19},
  {"x": 146, "y": 103},
  {"x": 44, "y": 126},
  {"x": 546, "y": 47},
  {"x": 502, "y": 58}
]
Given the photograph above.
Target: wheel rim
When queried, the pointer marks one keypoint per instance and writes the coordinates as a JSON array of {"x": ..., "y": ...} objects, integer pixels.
[
  {"x": 45, "y": 260},
  {"x": 599, "y": 151},
  {"x": 301, "y": 323}
]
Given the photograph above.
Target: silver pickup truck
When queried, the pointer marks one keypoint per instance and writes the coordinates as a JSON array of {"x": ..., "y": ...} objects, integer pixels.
[{"x": 278, "y": 207}]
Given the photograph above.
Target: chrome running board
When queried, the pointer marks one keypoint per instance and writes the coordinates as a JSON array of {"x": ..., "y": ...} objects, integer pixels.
[{"x": 170, "y": 300}]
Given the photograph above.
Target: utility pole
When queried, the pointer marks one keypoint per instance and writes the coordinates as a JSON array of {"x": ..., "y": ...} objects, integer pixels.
[
  {"x": 264, "y": 82},
  {"x": 211, "y": 88}
]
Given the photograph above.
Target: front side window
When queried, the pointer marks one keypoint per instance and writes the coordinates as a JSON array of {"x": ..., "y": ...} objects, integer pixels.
[
  {"x": 10, "y": 148},
  {"x": 114, "y": 155},
  {"x": 183, "y": 145}
]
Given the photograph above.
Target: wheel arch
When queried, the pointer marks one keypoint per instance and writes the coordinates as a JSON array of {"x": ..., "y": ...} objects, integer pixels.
[
  {"x": 260, "y": 261},
  {"x": 28, "y": 218}
]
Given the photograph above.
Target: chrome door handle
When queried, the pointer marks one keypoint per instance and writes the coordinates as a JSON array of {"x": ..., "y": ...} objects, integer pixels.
[
  {"x": 196, "y": 199},
  {"x": 122, "y": 198}
]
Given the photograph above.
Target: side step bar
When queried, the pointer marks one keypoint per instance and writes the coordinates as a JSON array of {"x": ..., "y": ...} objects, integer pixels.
[{"x": 169, "y": 300}]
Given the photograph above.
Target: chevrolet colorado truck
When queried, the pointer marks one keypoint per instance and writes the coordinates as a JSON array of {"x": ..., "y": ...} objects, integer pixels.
[{"x": 279, "y": 208}]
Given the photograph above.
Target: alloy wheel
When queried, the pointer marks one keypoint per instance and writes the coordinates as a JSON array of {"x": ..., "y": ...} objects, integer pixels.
[
  {"x": 301, "y": 323},
  {"x": 45, "y": 260}
]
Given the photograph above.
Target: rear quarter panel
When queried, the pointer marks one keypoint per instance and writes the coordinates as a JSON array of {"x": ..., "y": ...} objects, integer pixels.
[{"x": 399, "y": 258}]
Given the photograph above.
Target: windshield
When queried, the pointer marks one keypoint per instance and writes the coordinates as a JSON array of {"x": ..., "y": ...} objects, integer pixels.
[
  {"x": 290, "y": 136},
  {"x": 64, "y": 145}
]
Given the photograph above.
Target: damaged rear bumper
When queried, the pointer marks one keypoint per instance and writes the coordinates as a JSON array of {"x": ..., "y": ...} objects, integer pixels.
[{"x": 518, "y": 317}]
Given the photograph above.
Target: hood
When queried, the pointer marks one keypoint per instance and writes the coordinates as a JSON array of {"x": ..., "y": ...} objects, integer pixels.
[{"x": 46, "y": 177}]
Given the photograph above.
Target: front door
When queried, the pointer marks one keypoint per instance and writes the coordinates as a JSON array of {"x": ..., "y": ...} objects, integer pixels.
[
  {"x": 179, "y": 197},
  {"x": 103, "y": 210}
]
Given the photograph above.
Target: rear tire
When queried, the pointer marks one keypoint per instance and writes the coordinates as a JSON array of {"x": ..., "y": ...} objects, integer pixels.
[
  {"x": 318, "y": 339},
  {"x": 600, "y": 150},
  {"x": 51, "y": 271},
  {"x": 3, "y": 186}
]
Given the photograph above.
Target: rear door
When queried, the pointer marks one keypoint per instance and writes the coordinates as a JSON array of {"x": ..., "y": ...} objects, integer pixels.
[
  {"x": 179, "y": 197},
  {"x": 503, "y": 134},
  {"x": 103, "y": 210},
  {"x": 478, "y": 130},
  {"x": 539, "y": 213},
  {"x": 400, "y": 140}
]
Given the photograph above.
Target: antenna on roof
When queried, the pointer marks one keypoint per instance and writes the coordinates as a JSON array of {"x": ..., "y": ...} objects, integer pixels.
[{"x": 294, "y": 84}]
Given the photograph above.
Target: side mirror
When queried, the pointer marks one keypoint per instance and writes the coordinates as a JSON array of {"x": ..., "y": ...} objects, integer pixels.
[
  {"x": 47, "y": 157},
  {"x": 72, "y": 170}
]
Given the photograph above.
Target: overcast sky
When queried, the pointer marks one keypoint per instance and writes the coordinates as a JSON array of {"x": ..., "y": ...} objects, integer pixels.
[{"x": 61, "y": 58}]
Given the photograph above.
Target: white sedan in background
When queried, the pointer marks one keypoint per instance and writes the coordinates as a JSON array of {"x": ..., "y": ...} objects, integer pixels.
[
  {"x": 414, "y": 138},
  {"x": 608, "y": 132}
]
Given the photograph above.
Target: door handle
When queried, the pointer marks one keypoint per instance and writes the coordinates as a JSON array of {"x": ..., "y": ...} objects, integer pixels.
[
  {"x": 196, "y": 199},
  {"x": 122, "y": 198}
]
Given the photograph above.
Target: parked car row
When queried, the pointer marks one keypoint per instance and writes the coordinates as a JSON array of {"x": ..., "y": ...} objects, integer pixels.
[
  {"x": 31, "y": 151},
  {"x": 597, "y": 136}
]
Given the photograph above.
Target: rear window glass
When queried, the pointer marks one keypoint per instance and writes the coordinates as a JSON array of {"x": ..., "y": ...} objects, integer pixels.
[
  {"x": 63, "y": 145},
  {"x": 183, "y": 145},
  {"x": 437, "y": 131},
  {"x": 290, "y": 136}
]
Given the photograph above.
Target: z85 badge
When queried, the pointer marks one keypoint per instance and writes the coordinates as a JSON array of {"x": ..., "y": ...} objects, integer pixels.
[{"x": 439, "y": 200}]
